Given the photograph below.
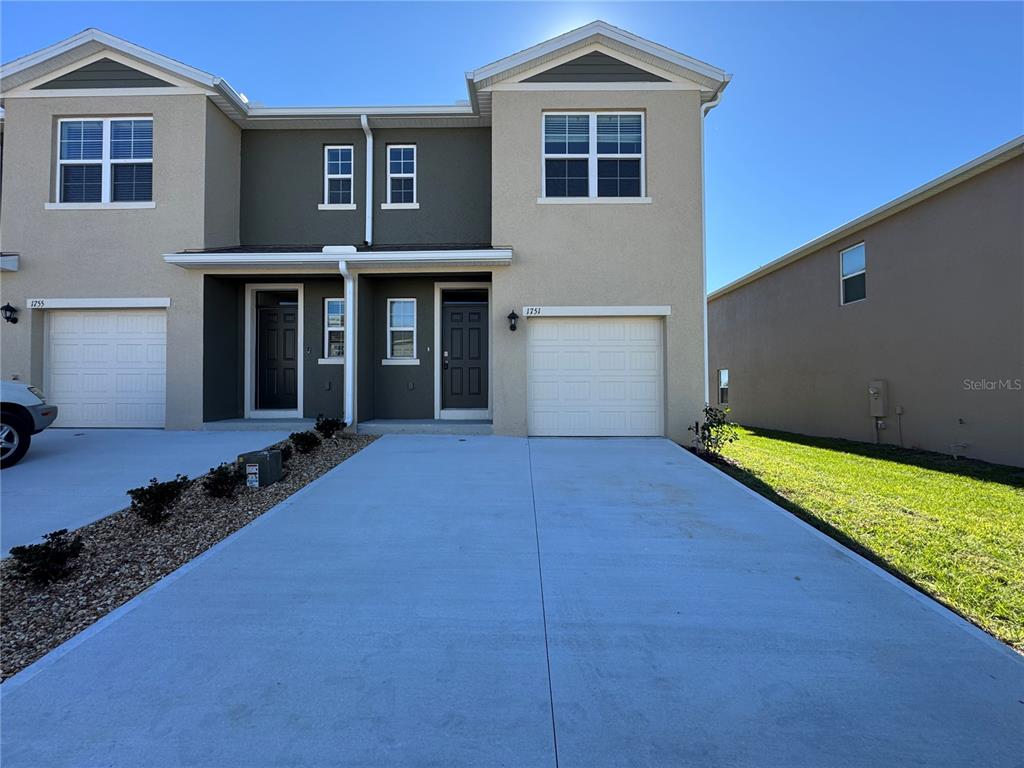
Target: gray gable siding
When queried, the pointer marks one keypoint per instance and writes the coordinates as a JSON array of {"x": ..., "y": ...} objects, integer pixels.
[
  {"x": 595, "y": 67},
  {"x": 105, "y": 73}
]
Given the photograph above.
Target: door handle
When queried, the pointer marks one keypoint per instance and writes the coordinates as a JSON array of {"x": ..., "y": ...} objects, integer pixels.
[{"x": 444, "y": 361}]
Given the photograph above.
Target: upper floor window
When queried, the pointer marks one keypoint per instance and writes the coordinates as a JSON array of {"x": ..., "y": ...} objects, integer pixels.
[
  {"x": 107, "y": 160},
  {"x": 338, "y": 175},
  {"x": 597, "y": 154},
  {"x": 723, "y": 386},
  {"x": 853, "y": 274},
  {"x": 402, "y": 175}
]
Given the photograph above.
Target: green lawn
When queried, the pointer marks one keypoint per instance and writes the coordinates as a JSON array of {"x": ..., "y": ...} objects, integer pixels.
[{"x": 953, "y": 528}]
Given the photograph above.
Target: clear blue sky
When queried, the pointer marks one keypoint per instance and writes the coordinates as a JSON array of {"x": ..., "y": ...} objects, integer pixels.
[{"x": 834, "y": 108}]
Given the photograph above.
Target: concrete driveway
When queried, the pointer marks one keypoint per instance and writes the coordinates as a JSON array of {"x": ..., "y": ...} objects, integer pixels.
[
  {"x": 487, "y": 601},
  {"x": 70, "y": 477}
]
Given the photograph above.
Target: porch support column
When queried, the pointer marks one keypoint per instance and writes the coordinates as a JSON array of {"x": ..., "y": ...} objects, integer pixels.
[{"x": 350, "y": 344}]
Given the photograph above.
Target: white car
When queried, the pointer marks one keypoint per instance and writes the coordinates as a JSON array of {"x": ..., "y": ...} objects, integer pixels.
[{"x": 24, "y": 413}]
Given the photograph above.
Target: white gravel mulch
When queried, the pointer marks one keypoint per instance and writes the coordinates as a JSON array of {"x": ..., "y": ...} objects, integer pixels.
[{"x": 124, "y": 555}]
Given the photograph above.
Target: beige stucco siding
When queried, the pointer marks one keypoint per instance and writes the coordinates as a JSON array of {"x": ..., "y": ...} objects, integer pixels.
[
  {"x": 600, "y": 254},
  {"x": 945, "y": 280},
  {"x": 107, "y": 253}
]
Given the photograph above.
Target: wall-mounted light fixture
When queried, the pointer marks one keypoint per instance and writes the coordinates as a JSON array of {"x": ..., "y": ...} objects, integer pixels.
[
  {"x": 10, "y": 314},
  {"x": 513, "y": 318}
]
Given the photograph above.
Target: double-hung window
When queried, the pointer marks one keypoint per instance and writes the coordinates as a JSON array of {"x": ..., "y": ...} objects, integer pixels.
[
  {"x": 402, "y": 176},
  {"x": 401, "y": 329},
  {"x": 852, "y": 274},
  {"x": 594, "y": 155},
  {"x": 334, "y": 329},
  {"x": 338, "y": 176},
  {"x": 108, "y": 160},
  {"x": 723, "y": 386}
]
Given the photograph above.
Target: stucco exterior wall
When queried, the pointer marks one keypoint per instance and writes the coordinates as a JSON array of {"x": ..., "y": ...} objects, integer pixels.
[
  {"x": 91, "y": 253},
  {"x": 600, "y": 253},
  {"x": 223, "y": 179},
  {"x": 943, "y": 309}
]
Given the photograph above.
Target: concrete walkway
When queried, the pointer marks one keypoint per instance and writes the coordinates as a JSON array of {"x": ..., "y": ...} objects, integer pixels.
[
  {"x": 71, "y": 477},
  {"x": 487, "y": 601}
]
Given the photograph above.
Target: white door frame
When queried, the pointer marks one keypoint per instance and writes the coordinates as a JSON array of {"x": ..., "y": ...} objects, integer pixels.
[
  {"x": 250, "y": 351},
  {"x": 462, "y": 413}
]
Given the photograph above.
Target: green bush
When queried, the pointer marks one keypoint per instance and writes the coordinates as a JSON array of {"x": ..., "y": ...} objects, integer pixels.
[
  {"x": 304, "y": 442},
  {"x": 714, "y": 433},
  {"x": 49, "y": 561},
  {"x": 327, "y": 426},
  {"x": 222, "y": 482},
  {"x": 151, "y": 502}
]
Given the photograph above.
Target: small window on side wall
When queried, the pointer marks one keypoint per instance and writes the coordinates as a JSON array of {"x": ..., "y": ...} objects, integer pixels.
[
  {"x": 853, "y": 274},
  {"x": 723, "y": 386},
  {"x": 334, "y": 329},
  {"x": 402, "y": 175}
]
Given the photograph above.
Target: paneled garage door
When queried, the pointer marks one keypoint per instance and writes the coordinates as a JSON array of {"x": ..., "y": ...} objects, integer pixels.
[
  {"x": 107, "y": 367},
  {"x": 595, "y": 376}
]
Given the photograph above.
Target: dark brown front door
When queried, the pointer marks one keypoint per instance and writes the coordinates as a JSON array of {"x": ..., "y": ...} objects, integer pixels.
[
  {"x": 464, "y": 349},
  {"x": 277, "y": 352}
]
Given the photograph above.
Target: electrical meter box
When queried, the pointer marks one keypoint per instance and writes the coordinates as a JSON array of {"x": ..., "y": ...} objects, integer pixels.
[
  {"x": 262, "y": 468},
  {"x": 877, "y": 398}
]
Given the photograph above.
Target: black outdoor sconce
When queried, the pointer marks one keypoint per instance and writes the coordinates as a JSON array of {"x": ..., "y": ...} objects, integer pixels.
[
  {"x": 9, "y": 313},
  {"x": 513, "y": 318}
]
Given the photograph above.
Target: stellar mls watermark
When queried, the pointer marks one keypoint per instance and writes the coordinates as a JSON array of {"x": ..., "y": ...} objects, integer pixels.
[{"x": 993, "y": 385}]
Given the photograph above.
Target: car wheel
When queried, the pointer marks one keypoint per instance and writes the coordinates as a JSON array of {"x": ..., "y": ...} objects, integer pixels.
[{"x": 15, "y": 438}]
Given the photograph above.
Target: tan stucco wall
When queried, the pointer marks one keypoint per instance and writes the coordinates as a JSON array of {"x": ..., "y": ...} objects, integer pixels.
[
  {"x": 223, "y": 178},
  {"x": 600, "y": 254},
  {"x": 107, "y": 253},
  {"x": 945, "y": 281}
]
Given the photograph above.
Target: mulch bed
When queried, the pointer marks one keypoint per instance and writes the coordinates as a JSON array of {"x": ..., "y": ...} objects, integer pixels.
[{"x": 124, "y": 555}]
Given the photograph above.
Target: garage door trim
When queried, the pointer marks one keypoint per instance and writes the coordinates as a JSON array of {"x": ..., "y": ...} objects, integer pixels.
[
  {"x": 124, "y": 303},
  {"x": 619, "y": 311}
]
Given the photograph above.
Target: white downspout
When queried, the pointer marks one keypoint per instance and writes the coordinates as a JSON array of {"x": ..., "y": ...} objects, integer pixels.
[
  {"x": 364, "y": 121},
  {"x": 350, "y": 346},
  {"x": 704, "y": 238}
]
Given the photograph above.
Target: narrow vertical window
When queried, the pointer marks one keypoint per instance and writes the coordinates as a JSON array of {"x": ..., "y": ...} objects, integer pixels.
[
  {"x": 81, "y": 161},
  {"x": 619, "y": 155},
  {"x": 723, "y": 386},
  {"x": 334, "y": 328},
  {"x": 402, "y": 175},
  {"x": 853, "y": 274},
  {"x": 338, "y": 175},
  {"x": 131, "y": 160},
  {"x": 401, "y": 329},
  {"x": 567, "y": 155}
]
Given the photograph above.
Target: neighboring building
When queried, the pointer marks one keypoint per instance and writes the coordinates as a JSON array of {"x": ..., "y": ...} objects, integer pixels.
[
  {"x": 905, "y": 325},
  {"x": 187, "y": 257}
]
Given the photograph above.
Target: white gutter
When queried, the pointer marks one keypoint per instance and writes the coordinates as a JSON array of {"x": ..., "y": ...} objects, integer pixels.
[
  {"x": 704, "y": 236},
  {"x": 350, "y": 351},
  {"x": 365, "y": 122}
]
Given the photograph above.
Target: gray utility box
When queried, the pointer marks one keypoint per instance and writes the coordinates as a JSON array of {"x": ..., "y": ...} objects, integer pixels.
[{"x": 261, "y": 467}]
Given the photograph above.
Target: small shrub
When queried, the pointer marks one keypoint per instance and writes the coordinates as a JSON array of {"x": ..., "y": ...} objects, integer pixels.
[
  {"x": 49, "y": 561},
  {"x": 716, "y": 431},
  {"x": 327, "y": 426},
  {"x": 304, "y": 442},
  {"x": 150, "y": 502},
  {"x": 222, "y": 482},
  {"x": 286, "y": 453}
]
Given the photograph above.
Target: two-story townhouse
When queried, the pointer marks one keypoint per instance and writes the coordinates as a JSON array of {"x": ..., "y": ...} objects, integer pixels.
[
  {"x": 530, "y": 259},
  {"x": 904, "y": 326}
]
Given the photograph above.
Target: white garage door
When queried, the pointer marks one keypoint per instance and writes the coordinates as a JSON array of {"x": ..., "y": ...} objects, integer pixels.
[
  {"x": 595, "y": 376},
  {"x": 107, "y": 367}
]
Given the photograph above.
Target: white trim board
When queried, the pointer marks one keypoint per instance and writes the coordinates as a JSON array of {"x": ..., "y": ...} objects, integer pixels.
[
  {"x": 600, "y": 311},
  {"x": 126, "y": 303},
  {"x": 458, "y": 413},
  {"x": 250, "y": 352}
]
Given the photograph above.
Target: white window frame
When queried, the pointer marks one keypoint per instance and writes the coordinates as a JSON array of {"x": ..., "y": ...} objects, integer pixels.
[
  {"x": 415, "y": 170},
  {"x": 843, "y": 278},
  {"x": 720, "y": 387},
  {"x": 325, "y": 204},
  {"x": 391, "y": 359},
  {"x": 105, "y": 161},
  {"x": 328, "y": 359},
  {"x": 592, "y": 158}
]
